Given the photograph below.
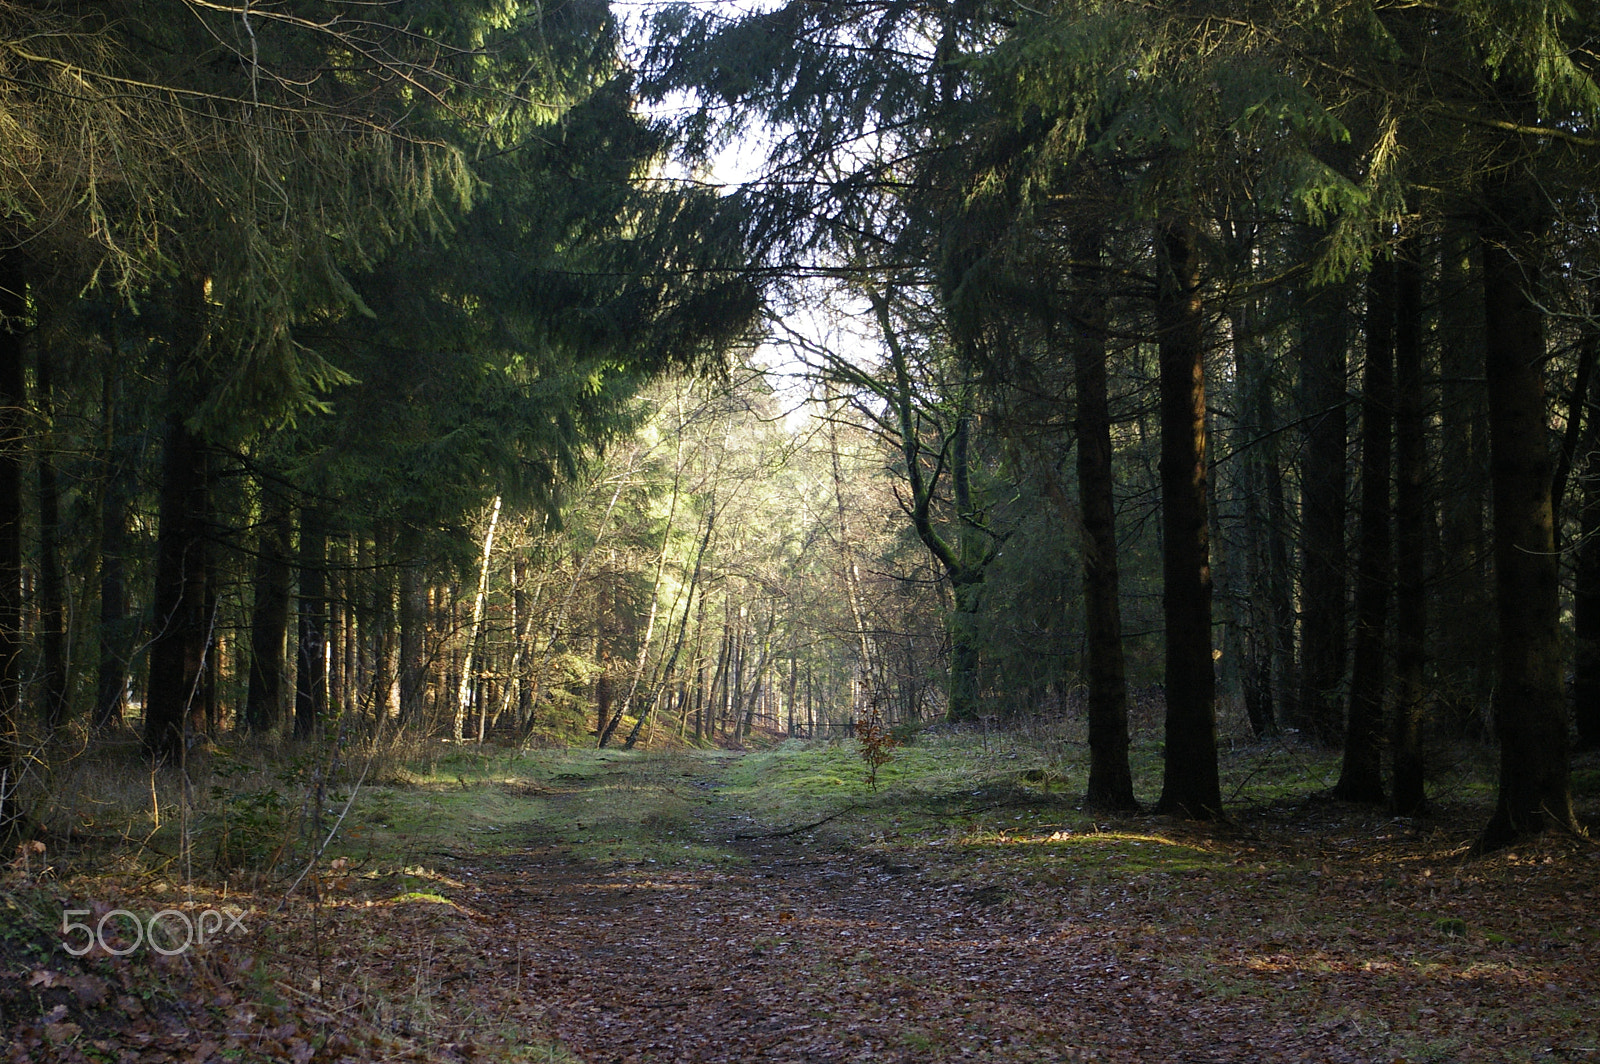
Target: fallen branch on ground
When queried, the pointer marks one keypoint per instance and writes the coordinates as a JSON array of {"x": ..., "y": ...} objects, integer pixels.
[{"x": 797, "y": 829}]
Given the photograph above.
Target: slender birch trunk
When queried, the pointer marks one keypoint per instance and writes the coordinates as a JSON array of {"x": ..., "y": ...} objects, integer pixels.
[{"x": 464, "y": 691}]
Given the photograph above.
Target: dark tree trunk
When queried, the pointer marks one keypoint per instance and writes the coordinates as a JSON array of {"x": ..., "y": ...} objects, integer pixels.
[
  {"x": 269, "y": 619},
  {"x": 311, "y": 678},
  {"x": 379, "y": 633},
  {"x": 1529, "y": 704},
  {"x": 1323, "y": 504},
  {"x": 13, "y": 305},
  {"x": 211, "y": 664},
  {"x": 1413, "y": 531},
  {"x": 180, "y": 629},
  {"x": 413, "y": 623},
  {"x": 1110, "y": 778},
  {"x": 1361, "y": 777},
  {"x": 1261, "y": 484},
  {"x": 178, "y": 646},
  {"x": 604, "y": 695},
  {"x": 1279, "y": 576},
  {"x": 1465, "y": 673},
  {"x": 1586, "y": 578},
  {"x": 966, "y": 580},
  {"x": 1190, "y": 783},
  {"x": 337, "y": 627},
  {"x": 522, "y": 626},
  {"x": 794, "y": 681},
  {"x": 52, "y": 585},
  {"x": 115, "y": 644},
  {"x": 962, "y": 692}
]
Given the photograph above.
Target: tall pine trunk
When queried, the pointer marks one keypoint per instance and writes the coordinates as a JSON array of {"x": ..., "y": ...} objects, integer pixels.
[
  {"x": 311, "y": 678},
  {"x": 52, "y": 583},
  {"x": 413, "y": 624},
  {"x": 1586, "y": 578},
  {"x": 1361, "y": 775},
  {"x": 1110, "y": 778},
  {"x": 1465, "y": 674},
  {"x": 269, "y": 618},
  {"x": 1260, "y": 484},
  {"x": 179, "y": 623},
  {"x": 1190, "y": 783},
  {"x": 1413, "y": 531},
  {"x": 1529, "y": 704},
  {"x": 1324, "y": 554},
  {"x": 13, "y": 305},
  {"x": 464, "y": 694},
  {"x": 115, "y": 644},
  {"x": 180, "y": 628}
]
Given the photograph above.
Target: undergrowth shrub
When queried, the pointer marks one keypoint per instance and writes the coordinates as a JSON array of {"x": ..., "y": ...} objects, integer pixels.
[{"x": 877, "y": 746}]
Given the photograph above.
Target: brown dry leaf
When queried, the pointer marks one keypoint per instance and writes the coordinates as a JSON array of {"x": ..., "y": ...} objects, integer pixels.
[
  {"x": 60, "y": 1033},
  {"x": 92, "y": 991}
]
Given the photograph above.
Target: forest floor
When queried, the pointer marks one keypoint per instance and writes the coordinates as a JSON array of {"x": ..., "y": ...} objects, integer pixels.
[{"x": 708, "y": 906}]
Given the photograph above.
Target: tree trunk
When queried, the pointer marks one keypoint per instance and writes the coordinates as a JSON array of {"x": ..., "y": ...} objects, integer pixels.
[
  {"x": 962, "y": 703},
  {"x": 385, "y": 634},
  {"x": 311, "y": 678},
  {"x": 670, "y": 665},
  {"x": 180, "y": 627},
  {"x": 1529, "y": 704},
  {"x": 1413, "y": 530},
  {"x": 115, "y": 644},
  {"x": 1361, "y": 777},
  {"x": 52, "y": 585},
  {"x": 413, "y": 623},
  {"x": 1255, "y": 459},
  {"x": 13, "y": 306},
  {"x": 1465, "y": 673},
  {"x": 178, "y": 647},
  {"x": 1586, "y": 578},
  {"x": 852, "y": 576},
  {"x": 1110, "y": 784},
  {"x": 269, "y": 619},
  {"x": 478, "y": 601},
  {"x": 210, "y": 665},
  {"x": 1322, "y": 520},
  {"x": 650, "y": 618},
  {"x": 337, "y": 630},
  {"x": 1190, "y": 783}
]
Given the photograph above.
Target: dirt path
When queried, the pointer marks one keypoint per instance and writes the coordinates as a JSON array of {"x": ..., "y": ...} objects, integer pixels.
[
  {"x": 1321, "y": 937},
  {"x": 815, "y": 951}
]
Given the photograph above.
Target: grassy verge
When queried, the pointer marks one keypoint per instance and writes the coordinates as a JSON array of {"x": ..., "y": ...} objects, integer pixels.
[{"x": 1292, "y": 891}]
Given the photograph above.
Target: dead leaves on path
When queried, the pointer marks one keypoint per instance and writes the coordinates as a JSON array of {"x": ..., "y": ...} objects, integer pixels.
[{"x": 1159, "y": 942}]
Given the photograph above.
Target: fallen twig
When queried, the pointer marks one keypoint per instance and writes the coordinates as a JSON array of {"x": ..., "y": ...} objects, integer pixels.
[{"x": 797, "y": 829}]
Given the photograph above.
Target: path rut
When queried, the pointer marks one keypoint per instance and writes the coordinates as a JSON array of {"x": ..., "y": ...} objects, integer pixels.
[{"x": 817, "y": 951}]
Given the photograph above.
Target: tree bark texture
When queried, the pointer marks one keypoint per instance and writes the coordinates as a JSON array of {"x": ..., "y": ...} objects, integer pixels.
[
  {"x": 1190, "y": 783},
  {"x": 179, "y": 624},
  {"x": 1586, "y": 578},
  {"x": 180, "y": 629},
  {"x": 1110, "y": 777},
  {"x": 413, "y": 623},
  {"x": 1267, "y": 641},
  {"x": 311, "y": 678},
  {"x": 115, "y": 642},
  {"x": 13, "y": 305},
  {"x": 1465, "y": 673},
  {"x": 1529, "y": 707},
  {"x": 1361, "y": 775},
  {"x": 269, "y": 619},
  {"x": 52, "y": 583},
  {"x": 1324, "y": 554},
  {"x": 1413, "y": 532}
]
